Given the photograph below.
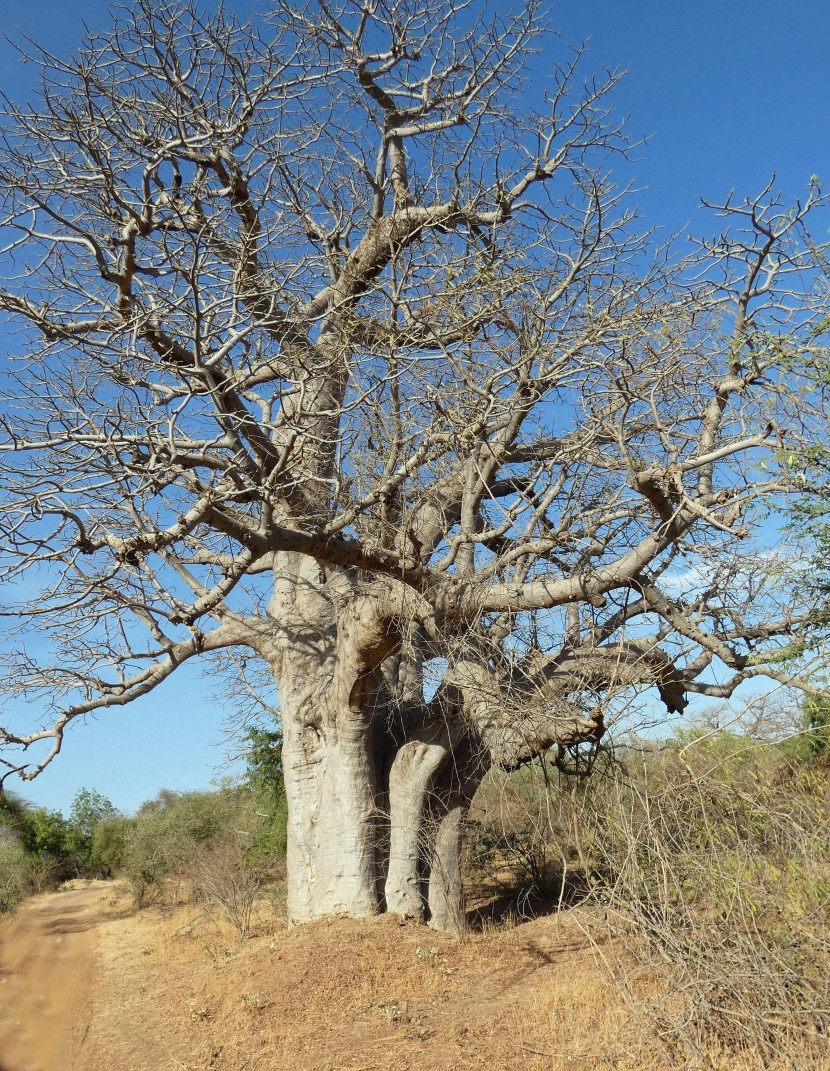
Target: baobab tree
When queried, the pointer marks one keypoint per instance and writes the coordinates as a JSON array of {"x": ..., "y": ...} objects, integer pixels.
[{"x": 338, "y": 347}]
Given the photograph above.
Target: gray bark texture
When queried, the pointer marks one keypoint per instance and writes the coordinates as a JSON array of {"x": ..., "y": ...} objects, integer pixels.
[{"x": 377, "y": 782}]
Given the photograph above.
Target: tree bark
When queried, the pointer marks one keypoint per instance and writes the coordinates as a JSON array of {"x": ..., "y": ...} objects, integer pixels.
[
  {"x": 330, "y": 785},
  {"x": 328, "y": 761},
  {"x": 449, "y": 803},
  {"x": 411, "y": 779},
  {"x": 446, "y": 890}
]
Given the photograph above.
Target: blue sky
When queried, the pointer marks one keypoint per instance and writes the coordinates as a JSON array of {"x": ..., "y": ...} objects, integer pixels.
[{"x": 726, "y": 93}]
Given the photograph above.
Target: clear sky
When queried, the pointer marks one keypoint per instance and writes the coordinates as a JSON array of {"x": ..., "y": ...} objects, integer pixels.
[{"x": 725, "y": 92}]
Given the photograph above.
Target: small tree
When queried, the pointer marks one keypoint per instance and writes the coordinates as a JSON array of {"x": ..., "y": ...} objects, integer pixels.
[
  {"x": 816, "y": 716},
  {"x": 89, "y": 808},
  {"x": 264, "y": 777},
  {"x": 339, "y": 346},
  {"x": 223, "y": 877},
  {"x": 43, "y": 834},
  {"x": 110, "y": 844}
]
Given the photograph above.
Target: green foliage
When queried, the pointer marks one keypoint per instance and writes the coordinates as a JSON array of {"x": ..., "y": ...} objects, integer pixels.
[
  {"x": 263, "y": 758},
  {"x": 11, "y": 807},
  {"x": 170, "y": 833},
  {"x": 14, "y": 871},
  {"x": 163, "y": 835},
  {"x": 223, "y": 841},
  {"x": 264, "y": 778},
  {"x": 43, "y": 832},
  {"x": 110, "y": 843},
  {"x": 41, "y": 836},
  {"x": 271, "y": 835},
  {"x": 816, "y": 722},
  {"x": 54, "y": 848},
  {"x": 88, "y": 809}
]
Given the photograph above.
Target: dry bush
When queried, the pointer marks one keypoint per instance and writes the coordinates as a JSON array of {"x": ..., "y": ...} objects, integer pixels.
[
  {"x": 525, "y": 842},
  {"x": 712, "y": 865},
  {"x": 221, "y": 877},
  {"x": 15, "y": 873},
  {"x": 706, "y": 870},
  {"x": 172, "y": 837}
]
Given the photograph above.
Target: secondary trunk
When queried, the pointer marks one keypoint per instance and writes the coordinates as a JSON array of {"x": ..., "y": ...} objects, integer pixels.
[
  {"x": 411, "y": 778},
  {"x": 449, "y": 803},
  {"x": 431, "y": 784},
  {"x": 445, "y": 897}
]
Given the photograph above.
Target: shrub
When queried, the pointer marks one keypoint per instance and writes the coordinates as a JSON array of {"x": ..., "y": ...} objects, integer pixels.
[
  {"x": 148, "y": 857},
  {"x": 264, "y": 780},
  {"x": 816, "y": 725},
  {"x": 110, "y": 844},
  {"x": 14, "y": 872},
  {"x": 171, "y": 833},
  {"x": 706, "y": 867},
  {"x": 711, "y": 863},
  {"x": 222, "y": 877}
]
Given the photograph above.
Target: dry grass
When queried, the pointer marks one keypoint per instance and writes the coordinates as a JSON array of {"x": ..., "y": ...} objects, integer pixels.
[
  {"x": 706, "y": 969},
  {"x": 344, "y": 994},
  {"x": 710, "y": 880},
  {"x": 178, "y": 989}
]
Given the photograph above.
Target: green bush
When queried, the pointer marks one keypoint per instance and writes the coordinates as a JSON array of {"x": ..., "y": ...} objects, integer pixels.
[
  {"x": 816, "y": 724},
  {"x": 110, "y": 843},
  {"x": 169, "y": 833},
  {"x": 14, "y": 872},
  {"x": 43, "y": 832},
  {"x": 264, "y": 780}
]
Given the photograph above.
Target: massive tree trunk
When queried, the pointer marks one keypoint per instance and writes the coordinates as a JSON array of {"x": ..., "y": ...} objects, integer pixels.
[
  {"x": 375, "y": 786},
  {"x": 367, "y": 834},
  {"x": 378, "y": 779},
  {"x": 328, "y": 746},
  {"x": 331, "y": 786}
]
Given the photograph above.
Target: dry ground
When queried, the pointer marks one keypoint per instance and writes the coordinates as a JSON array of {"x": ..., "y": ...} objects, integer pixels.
[
  {"x": 47, "y": 962},
  {"x": 87, "y": 984}
]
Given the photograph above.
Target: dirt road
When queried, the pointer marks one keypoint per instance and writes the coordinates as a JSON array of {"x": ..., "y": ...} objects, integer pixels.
[{"x": 47, "y": 955}]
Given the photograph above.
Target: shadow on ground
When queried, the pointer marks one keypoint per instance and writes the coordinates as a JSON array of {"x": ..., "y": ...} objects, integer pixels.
[{"x": 510, "y": 902}]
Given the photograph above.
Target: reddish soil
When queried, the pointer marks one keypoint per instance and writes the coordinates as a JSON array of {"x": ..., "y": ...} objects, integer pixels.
[
  {"x": 46, "y": 967},
  {"x": 87, "y": 984}
]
